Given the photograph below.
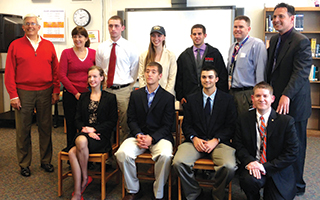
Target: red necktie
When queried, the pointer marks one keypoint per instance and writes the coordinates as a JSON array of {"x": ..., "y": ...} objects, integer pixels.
[
  {"x": 112, "y": 65},
  {"x": 263, "y": 136}
]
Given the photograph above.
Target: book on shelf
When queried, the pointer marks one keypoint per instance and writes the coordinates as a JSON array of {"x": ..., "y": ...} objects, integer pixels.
[
  {"x": 298, "y": 22},
  {"x": 317, "y": 50},
  {"x": 269, "y": 25},
  {"x": 313, "y": 42},
  {"x": 313, "y": 76}
]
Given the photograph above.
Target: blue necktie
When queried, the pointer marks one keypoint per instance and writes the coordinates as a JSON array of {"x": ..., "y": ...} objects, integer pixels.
[
  {"x": 275, "y": 57},
  {"x": 207, "y": 110}
]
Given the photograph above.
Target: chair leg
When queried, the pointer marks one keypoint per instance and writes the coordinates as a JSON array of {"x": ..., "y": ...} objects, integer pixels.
[
  {"x": 59, "y": 175},
  {"x": 179, "y": 188},
  {"x": 103, "y": 179},
  {"x": 169, "y": 186},
  {"x": 230, "y": 191},
  {"x": 123, "y": 188}
]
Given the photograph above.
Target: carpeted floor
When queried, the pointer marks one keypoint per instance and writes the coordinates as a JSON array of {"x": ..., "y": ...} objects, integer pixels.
[{"x": 42, "y": 185}]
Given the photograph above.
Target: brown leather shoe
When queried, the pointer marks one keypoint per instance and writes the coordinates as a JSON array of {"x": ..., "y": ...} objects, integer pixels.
[{"x": 132, "y": 196}]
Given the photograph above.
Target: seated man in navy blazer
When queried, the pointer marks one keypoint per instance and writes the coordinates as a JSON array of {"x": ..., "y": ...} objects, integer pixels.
[
  {"x": 150, "y": 118},
  {"x": 266, "y": 145},
  {"x": 208, "y": 125}
]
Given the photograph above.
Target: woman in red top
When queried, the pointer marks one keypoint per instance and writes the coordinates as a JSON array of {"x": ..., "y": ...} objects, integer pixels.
[{"x": 73, "y": 69}]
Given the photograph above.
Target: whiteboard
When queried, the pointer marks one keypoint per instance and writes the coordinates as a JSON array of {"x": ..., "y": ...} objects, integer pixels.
[{"x": 178, "y": 22}]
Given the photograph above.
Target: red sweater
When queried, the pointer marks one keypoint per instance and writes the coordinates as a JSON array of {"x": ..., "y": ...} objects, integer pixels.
[
  {"x": 73, "y": 73},
  {"x": 27, "y": 69}
]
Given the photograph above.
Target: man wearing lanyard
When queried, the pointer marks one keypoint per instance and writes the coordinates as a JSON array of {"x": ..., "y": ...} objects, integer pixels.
[
  {"x": 192, "y": 60},
  {"x": 119, "y": 59},
  {"x": 246, "y": 64}
]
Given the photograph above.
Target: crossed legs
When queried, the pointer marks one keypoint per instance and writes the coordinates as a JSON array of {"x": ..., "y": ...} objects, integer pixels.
[{"x": 78, "y": 156}]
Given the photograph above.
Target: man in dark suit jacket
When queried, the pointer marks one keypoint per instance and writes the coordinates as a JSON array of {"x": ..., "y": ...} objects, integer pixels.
[
  {"x": 150, "y": 118},
  {"x": 275, "y": 173},
  {"x": 288, "y": 69},
  {"x": 208, "y": 125},
  {"x": 190, "y": 64}
]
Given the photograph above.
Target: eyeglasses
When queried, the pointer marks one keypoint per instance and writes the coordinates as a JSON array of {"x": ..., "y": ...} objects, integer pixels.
[{"x": 30, "y": 24}]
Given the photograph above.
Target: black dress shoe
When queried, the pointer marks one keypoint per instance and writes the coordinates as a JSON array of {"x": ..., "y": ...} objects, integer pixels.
[
  {"x": 25, "y": 171},
  {"x": 47, "y": 167}
]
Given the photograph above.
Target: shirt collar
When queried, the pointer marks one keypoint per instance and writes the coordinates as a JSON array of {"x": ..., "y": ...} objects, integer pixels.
[
  {"x": 243, "y": 40},
  {"x": 265, "y": 116},
  {"x": 39, "y": 40},
  {"x": 205, "y": 96},
  {"x": 202, "y": 48},
  {"x": 285, "y": 35},
  {"x": 154, "y": 92}
]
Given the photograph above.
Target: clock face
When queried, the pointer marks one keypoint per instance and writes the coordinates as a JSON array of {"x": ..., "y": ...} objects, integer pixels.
[{"x": 81, "y": 17}]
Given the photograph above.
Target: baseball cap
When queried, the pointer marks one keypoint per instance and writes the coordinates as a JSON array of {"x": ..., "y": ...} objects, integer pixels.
[{"x": 158, "y": 29}]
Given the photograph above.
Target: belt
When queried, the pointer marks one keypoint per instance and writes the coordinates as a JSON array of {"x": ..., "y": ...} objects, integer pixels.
[
  {"x": 116, "y": 87},
  {"x": 242, "y": 89}
]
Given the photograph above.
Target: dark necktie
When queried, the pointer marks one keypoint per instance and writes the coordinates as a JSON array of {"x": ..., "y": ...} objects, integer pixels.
[
  {"x": 275, "y": 57},
  {"x": 207, "y": 110},
  {"x": 263, "y": 136},
  {"x": 112, "y": 65},
  {"x": 198, "y": 57}
]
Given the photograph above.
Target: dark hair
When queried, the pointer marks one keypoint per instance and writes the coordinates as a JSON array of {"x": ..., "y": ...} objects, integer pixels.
[
  {"x": 243, "y": 17},
  {"x": 116, "y": 17},
  {"x": 290, "y": 8},
  {"x": 199, "y": 26},
  {"x": 209, "y": 67},
  {"x": 263, "y": 85},
  {"x": 155, "y": 64},
  {"x": 101, "y": 73},
  {"x": 79, "y": 30}
]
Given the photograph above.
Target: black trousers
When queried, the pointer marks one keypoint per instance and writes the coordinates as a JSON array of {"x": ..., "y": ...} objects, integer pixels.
[{"x": 70, "y": 108}]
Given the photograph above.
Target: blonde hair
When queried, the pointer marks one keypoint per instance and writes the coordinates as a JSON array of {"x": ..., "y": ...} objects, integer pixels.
[{"x": 30, "y": 15}]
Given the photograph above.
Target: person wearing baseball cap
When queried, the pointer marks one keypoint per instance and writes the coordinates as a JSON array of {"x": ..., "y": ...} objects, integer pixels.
[{"x": 157, "y": 52}]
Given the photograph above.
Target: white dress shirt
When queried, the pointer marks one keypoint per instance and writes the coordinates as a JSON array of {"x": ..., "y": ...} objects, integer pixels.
[{"x": 126, "y": 70}]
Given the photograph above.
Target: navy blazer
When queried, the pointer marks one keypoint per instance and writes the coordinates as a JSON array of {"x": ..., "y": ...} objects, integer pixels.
[
  {"x": 291, "y": 74},
  {"x": 155, "y": 121},
  {"x": 282, "y": 148},
  {"x": 107, "y": 114},
  {"x": 222, "y": 121}
]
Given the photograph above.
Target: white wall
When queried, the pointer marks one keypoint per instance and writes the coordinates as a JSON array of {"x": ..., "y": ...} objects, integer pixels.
[{"x": 252, "y": 8}]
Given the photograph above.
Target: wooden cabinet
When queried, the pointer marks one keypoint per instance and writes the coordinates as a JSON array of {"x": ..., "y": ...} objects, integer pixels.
[{"x": 311, "y": 29}]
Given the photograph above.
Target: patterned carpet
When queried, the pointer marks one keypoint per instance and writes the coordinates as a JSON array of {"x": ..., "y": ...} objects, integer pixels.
[{"x": 42, "y": 185}]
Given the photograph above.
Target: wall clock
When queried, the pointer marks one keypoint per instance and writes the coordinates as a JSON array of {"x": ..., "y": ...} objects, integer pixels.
[{"x": 81, "y": 17}]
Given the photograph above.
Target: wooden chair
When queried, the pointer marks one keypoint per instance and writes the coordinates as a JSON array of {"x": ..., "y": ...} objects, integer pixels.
[
  {"x": 98, "y": 158},
  {"x": 202, "y": 164},
  {"x": 146, "y": 158}
]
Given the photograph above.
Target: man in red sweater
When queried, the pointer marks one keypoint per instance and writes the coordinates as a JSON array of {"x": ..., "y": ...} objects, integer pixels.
[{"x": 32, "y": 82}]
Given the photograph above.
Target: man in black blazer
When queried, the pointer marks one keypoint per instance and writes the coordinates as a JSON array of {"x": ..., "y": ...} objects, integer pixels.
[
  {"x": 150, "y": 118},
  {"x": 191, "y": 61},
  {"x": 208, "y": 125},
  {"x": 288, "y": 68},
  {"x": 275, "y": 172}
]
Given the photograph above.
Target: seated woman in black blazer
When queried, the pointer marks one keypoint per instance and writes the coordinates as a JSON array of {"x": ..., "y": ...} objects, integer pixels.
[{"x": 96, "y": 118}]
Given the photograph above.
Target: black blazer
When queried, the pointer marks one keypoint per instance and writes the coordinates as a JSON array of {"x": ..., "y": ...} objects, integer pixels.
[
  {"x": 187, "y": 81},
  {"x": 291, "y": 74},
  {"x": 155, "y": 121},
  {"x": 282, "y": 148},
  {"x": 107, "y": 114},
  {"x": 222, "y": 121}
]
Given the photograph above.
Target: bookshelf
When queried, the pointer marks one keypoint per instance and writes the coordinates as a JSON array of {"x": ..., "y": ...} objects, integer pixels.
[{"x": 311, "y": 29}]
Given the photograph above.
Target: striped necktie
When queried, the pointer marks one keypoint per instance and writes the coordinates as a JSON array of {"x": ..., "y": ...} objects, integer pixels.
[{"x": 263, "y": 135}]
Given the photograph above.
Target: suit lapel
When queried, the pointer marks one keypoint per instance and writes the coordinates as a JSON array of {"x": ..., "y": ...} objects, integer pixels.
[
  {"x": 253, "y": 128},
  {"x": 284, "y": 49},
  {"x": 271, "y": 123},
  {"x": 200, "y": 111},
  {"x": 144, "y": 100},
  {"x": 192, "y": 58}
]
